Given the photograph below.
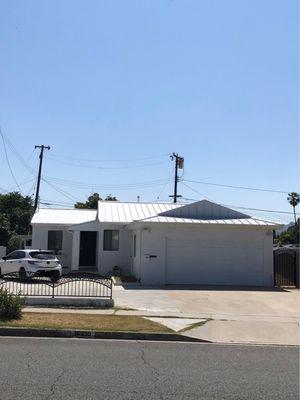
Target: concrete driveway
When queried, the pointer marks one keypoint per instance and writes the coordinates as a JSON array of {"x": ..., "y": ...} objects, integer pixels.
[
  {"x": 199, "y": 301},
  {"x": 252, "y": 315}
]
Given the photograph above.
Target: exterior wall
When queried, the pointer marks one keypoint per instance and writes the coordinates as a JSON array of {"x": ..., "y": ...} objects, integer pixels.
[
  {"x": 122, "y": 258},
  {"x": 69, "y": 256},
  {"x": 255, "y": 244},
  {"x": 40, "y": 240}
]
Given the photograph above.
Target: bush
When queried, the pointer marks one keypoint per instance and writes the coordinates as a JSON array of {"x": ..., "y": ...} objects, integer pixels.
[
  {"x": 13, "y": 243},
  {"x": 10, "y": 305}
]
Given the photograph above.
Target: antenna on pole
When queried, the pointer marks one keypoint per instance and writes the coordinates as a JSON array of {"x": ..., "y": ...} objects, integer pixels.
[
  {"x": 179, "y": 162},
  {"x": 36, "y": 201}
]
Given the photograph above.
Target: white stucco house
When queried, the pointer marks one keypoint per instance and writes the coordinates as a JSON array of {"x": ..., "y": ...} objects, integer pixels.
[{"x": 196, "y": 243}]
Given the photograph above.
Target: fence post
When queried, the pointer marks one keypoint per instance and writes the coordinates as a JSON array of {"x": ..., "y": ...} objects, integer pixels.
[{"x": 52, "y": 290}]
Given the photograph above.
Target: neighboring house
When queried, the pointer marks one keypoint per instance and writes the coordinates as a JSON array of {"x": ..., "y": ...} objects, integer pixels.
[
  {"x": 25, "y": 241},
  {"x": 197, "y": 243}
]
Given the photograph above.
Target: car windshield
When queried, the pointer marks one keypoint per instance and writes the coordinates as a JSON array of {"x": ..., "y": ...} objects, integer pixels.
[{"x": 42, "y": 255}]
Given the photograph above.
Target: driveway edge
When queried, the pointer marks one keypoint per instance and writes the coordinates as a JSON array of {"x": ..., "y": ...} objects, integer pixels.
[{"x": 85, "y": 334}]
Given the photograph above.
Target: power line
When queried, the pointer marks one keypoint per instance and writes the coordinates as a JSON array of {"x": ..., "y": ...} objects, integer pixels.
[
  {"x": 106, "y": 167},
  {"x": 196, "y": 191},
  {"x": 165, "y": 185},
  {"x": 121, "y": 186},
  {"x": 4, "y": 190},
  {"x": 258, "y": 209},
  {"x": 12, "y": 188},
  {"x": 61, "y": 191},
  {"x": 8, "y": 163},
  {"x": 237, "y": 187},
  {"x": 16, "y": 153},
  {"x": 244, "y": 208},
  {"x": 48, "y": 205},
  {"x": 30, "y": 191},
  {"x": 56, "y": 202},
  {"x": 108, "y": 160}
]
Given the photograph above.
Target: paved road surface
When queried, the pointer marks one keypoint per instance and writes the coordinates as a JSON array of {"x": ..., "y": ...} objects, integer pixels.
[{"x": 33, "y": 369}]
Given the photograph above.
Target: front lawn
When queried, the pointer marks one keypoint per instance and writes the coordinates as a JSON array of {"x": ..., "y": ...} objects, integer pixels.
[{"x": 111, "y": 323}]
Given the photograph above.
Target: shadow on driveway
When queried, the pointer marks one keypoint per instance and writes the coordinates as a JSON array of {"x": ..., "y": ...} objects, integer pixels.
[{"x": 221, "y": 288}]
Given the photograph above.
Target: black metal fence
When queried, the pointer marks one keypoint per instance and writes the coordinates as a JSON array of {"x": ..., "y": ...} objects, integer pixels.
[
  {"x": 285, "y": 268},
  {"x": 70, "y": 285}
]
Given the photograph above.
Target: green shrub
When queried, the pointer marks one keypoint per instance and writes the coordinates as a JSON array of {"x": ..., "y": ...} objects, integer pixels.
[{"x": 10, "y": 305}]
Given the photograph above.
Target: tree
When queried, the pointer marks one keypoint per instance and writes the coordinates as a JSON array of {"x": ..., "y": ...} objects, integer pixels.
[
  {"x": 110, "y": 197},
  {"x": 290, "y": 236},
  {"x": 15, "y": 215},
  {"x": 92, "y": 201},
  {"x": 4, "y": 230},
  {"x": 294, "y": 199}
]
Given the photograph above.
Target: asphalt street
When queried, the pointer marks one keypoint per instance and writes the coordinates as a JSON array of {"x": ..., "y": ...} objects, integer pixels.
[{"x": 33, "y": 369}]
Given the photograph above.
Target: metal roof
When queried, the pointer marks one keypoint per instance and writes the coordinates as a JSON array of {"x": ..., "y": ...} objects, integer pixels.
[
  {"x": 236, "y": 221},
  {"x": 63, "y": 217},
  {"x": 202, "y": 212},
  {"x": 117, "y": 212}
]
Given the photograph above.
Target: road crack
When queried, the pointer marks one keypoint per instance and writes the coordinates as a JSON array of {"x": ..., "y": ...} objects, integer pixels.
[
  {"x": 55, "y": 382},
  {"x": 29, "y": 361},
  {"x": 155, "y": 372}
]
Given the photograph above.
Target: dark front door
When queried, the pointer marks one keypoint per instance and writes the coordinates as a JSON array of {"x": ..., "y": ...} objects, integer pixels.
[{"x": 88, "y": 245}]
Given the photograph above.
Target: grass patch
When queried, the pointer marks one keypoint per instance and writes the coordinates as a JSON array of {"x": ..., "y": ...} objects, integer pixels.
[{"x": 117, "y": 323}]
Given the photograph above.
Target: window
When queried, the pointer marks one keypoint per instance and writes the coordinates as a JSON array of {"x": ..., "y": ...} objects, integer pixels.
[
  {"x": 42, "y": 255},
  {"x": 55, "y": 240},
  {"x": 12, "y": 256},
  {"x": 111, "y": 240},
  {"x": 134, "y": 246},
  {"x": 16, "y": 255},
  {"x": 20, "y": 254}
]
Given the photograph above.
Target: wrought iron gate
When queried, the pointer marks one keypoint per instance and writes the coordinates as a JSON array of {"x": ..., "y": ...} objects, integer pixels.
[{"x": 285, "y": 268}]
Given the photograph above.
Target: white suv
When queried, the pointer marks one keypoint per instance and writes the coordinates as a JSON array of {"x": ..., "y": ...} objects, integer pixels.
[{"x": 38, "y": 262}]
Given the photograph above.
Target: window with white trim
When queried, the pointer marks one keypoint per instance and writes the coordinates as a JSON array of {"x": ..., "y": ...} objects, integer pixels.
[{"x": 111, "y": 240}]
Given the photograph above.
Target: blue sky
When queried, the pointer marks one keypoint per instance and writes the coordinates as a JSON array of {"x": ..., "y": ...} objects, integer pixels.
[{"x": 215, "y": 81}]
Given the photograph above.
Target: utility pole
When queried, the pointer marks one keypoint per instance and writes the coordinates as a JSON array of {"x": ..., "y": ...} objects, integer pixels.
[
  {"x": 36, "y": 202},
  {"x": 178, "y": 165}
]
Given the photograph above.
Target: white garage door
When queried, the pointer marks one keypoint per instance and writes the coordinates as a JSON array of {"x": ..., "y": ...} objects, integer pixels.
[{"x": 217, "y": 262}]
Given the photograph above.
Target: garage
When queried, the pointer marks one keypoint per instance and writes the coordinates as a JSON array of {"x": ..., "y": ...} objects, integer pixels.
[
  {"x": 204, "y": 243},
  {"x": 216, "y": 262}
]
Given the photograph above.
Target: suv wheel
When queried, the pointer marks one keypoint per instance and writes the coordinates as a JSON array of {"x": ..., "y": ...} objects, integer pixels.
[{"x": 22, "y": 273}]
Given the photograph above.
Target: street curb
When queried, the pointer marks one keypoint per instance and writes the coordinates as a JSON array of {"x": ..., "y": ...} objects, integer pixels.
[{"x": 84, "y": 334}]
